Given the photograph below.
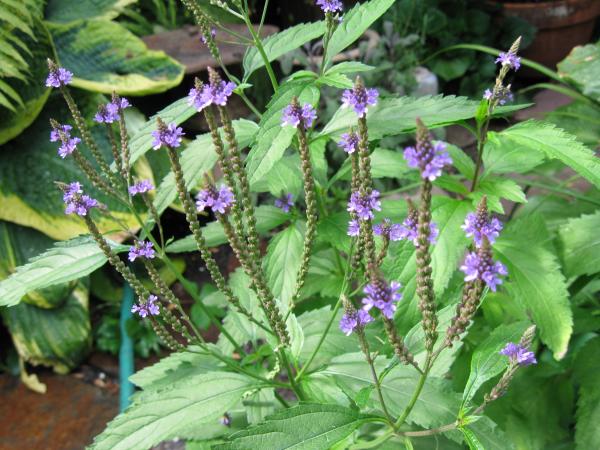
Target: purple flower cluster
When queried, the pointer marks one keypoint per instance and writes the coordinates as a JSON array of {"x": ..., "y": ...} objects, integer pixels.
[
  {"x": 360, "y": 98},
  {"x": 141, "y": 249},
  {"x": 363, "y": 206},
  {"x": 504, "y": 96},
  {"x": 519, "y": 354},
  {"x": 59, "y": 77},
  {"x": 215, "y": 93},
  {"x": 109, "y": 113},
  {"x": 409, "y": 230},
  {"x": 76, "y": 202},
  {"x": 481, "y": 225},
  {"x": 150, "y": 307},
  {"x": 169, "y": 137},
  {"x": 350, "y": 321},
  {"x": 330, "y": 5},
  {"x": 213, "y": 34},
  {"x": 293, "y": 114},
  {"x": 383, "y": 297},
  {"x": 389, "y": 230},
  {"x": 509, "y": 59},
  {"x": 430, "y": 159},
  {"x": 349, "y": 142},
  {"x": 219, "y": 201},
  {"x": 141, "y": 187},
  {"x": 68, "y": 144},
  {"x": 353, "y": 228},
  {"x": 285, "y": 202},
  {"x": 481, "y": 266}
]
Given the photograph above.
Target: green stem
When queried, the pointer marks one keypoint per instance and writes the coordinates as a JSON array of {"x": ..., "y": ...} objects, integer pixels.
[
  {"x": 416, "y": 394},
  {"x": 288, "y": 367},
  {"x": 261, "y": 50}
]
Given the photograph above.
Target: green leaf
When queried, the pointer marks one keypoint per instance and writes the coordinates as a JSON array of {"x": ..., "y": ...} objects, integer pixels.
[
  {"x": 267, "y": 218},
  {"x": 579, "y": 118},
  {"x": 273, "y": 138},
  {"x": 581, "y": 67},
  {"x": 355, "y": 23},
  {"x": 502, "y": 188},
  {"x": 487, "y": 362},
  {"x": 64, "y": 11},
  {"x": 471, "y": 439},
  {"x": 305, "y": 426},
  {"x": 384, "y": 164},
  {"x": 64, "y": 262},
  {"x": 488, "y": 435},
  {"x": 580, "y": 245},
  {"x": 105, "y": 57},
  {"x": 166, "y": 414},
  {"x": 336, "y": 80},
  {"x": 284, "y": 177},
  {"x": 502, "y": 155},
  {"x": 463, "y": 162},
  {"x": 536, "y": 281},
  {"x": 283, "y": 261},
  {"x": 347, "y": 67},
  {"x": 555, "y": 144},
  {"x": 279, "y": 44},
  {"x": 587, "y": 366},
  {"x": 260, "y": 405}
]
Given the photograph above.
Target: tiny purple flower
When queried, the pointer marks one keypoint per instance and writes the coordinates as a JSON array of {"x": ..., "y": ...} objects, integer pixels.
[
  {"x": 293, "y": 114},
  {"x": 350, "y": 321},
  {"x": 484, "y": 268},
  {"x": 382, "y": 297},
  {"x": 141, "y": 249},
  {"x": 169, "y": 137},
  {"x": 213, "y": 34},
  {"x": 285, "y": 203},
  {"x": 219, "y": 201},
  {"x": 59, "y": 77},
  {"x": 353, "y": 228},
  {"x": 481, "y": 224},
  {"x": 363, "y": 206},
  {"x": 349, "y": 142},
  {"x": 141, "y": 187},
  {"x": 519, "y": 354},
  {"x": 68, "y": 144},
  {"x": 509, "y": 59},
  {"x": 430, "y": 159},
  {"x": 409, "y": 230},
  {"x": 330, "y": 6},
  {"x": 360, "y": 98},
  {"x": 388, "y": 230},
  {"x": 215, "y": 93},
  {"x": 225, "y": 420},
  {"x": 504, "y": 95},
  {"x": 109, "y": 113},
  {"x": 488, "y": 94},
  {"x": 150, "y": 307},
  {"x": 76, "y": 202}
]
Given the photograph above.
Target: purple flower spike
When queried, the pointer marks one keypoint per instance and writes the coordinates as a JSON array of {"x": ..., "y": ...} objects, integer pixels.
[
  {"x": 330, "y": 6},
  {"x": 382, "y": 297},
  {"x": 481, "y": 266},
  {"x": 59, "y": 77},
  {"x": 215, "y": 93},
  {"x": 76, "y": 202},
  {"x": 409, "y": 230},
  {"x": 519, "y": 354},
  {"x": 430, "y": 159},
  {"x": 481, "y": 225},
  {"x": 349, "y": 142},
  {"x": 213, "y": 34},
  {"x": 141, "y": 249},
  {"x": 388, "y": 230},
  {"x": 293, "y": 114},
  {"x": 363, "y": 206},
  {"x": 170, "y": 136},
  {"x": 219, "y": 202},
  {"x": 109, "y": 113},
  {"x": 353, "y": 228},
  {"x": 140, "y": 188},
  {"x": 285, "y": 203},
  {"x": 504, "y": 95},
  {"x": 68, "y": 145},
  {"x": 509, "y": 59},
  {"x": 351, "y": 321},
  {"x": 150, "y": 307},
  {"x": 360, "y": 98}
]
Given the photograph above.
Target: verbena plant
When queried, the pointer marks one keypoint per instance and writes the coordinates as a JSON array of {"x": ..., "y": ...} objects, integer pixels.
[{"x": 292, "y": 368}]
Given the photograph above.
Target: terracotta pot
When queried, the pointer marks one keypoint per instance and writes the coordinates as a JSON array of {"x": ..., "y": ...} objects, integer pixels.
[{"x": 561, "y": 26}]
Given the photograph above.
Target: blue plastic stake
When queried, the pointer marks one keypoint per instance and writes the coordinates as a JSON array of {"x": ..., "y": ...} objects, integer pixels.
[{"x": 126, "y": 351}]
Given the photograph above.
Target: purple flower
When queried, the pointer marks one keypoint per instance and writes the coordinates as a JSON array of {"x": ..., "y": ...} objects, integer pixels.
[
  {"x": 409, "y": 230},
  {"x": 363, "y": 206},
  {"x": 76, "y": 202},
  {"x": 504, "y": 95},
  {"x": 293, "y": 114},
  {"x": 488, "y": 94},
  {"x": 59, "y": 77},
  {"x": 219, "y": 201},
  {"x": 349, "y": 142},
  {"x": 353, "y": 228},
  {"x": 225, "y": 420},
  {"x": 68, "y": 143},
  {"x": 509, "y": 59},
  {"x": 141, "y": 187},
  {"x": 169, "y": 136},
  {"x": 215, "y": 93},
  {"x": 481, "y": 224},
  {"x": 481, "y": 266},
  {"x": 150, "y": 307},
  {"x": 430, "y": 159},
  {"x": 388, "y": 230},
  {"x": 141, "y": 249},
  {"x": 383, "y": 297},
  {"x": 285, "y": 203},
  {"x": 109, "y": 113},
  {"x": 330, "y": 5},
  {"x": 360, "y": 98},
  {"x": 519, "y": 354},
  {"x": 350, "y": 321},
  {"x": 213, "y": 34}
]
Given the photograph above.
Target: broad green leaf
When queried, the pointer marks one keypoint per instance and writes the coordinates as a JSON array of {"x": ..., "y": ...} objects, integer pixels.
[
  {"x": 260, "y": 405},
  {"x": 384, "y": 164},
  {"x": 502, "y": 188},
  {"x": 347, "y": 67},
  {"x": 555, "y": 143},
  {"x": 581, "y": 67},
  {"x": 62, "y": 263},
  {"x": 587, "y": 366},
  {"x": 64, "y": 11},
  {"x": 281, "y": 43},
  {"x": 580, "y": 245},
  {"x": 305, "y": 426},
  {"x": 273, "y": 138},
  {"x": 284, "y": 177},
  {"x": 283, "y": 261},
  {"x": 488, "y": 435},
  {"x": 461, "y": 161},
  {"x": 487, "y": 362},
  {"x": 336, "y": 80},
  {"x": 198, "y": 158},
  {"x": 166, "y": 414},
  {"x": 267, "y": 218},
  {"x": 502, "y": 155},
  {"x": 536, "y": 281},
  {"x": 355, "y": 23},
  {"x": 106, "y": 57}
]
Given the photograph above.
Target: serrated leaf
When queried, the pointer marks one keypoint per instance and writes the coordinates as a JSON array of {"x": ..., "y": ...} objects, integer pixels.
[
  {"x": 502, "y": 188},
  {"x": 580, "y": 245},
  {"x": 587, "y": 432},
  {"x": 502, "y": 155}
]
